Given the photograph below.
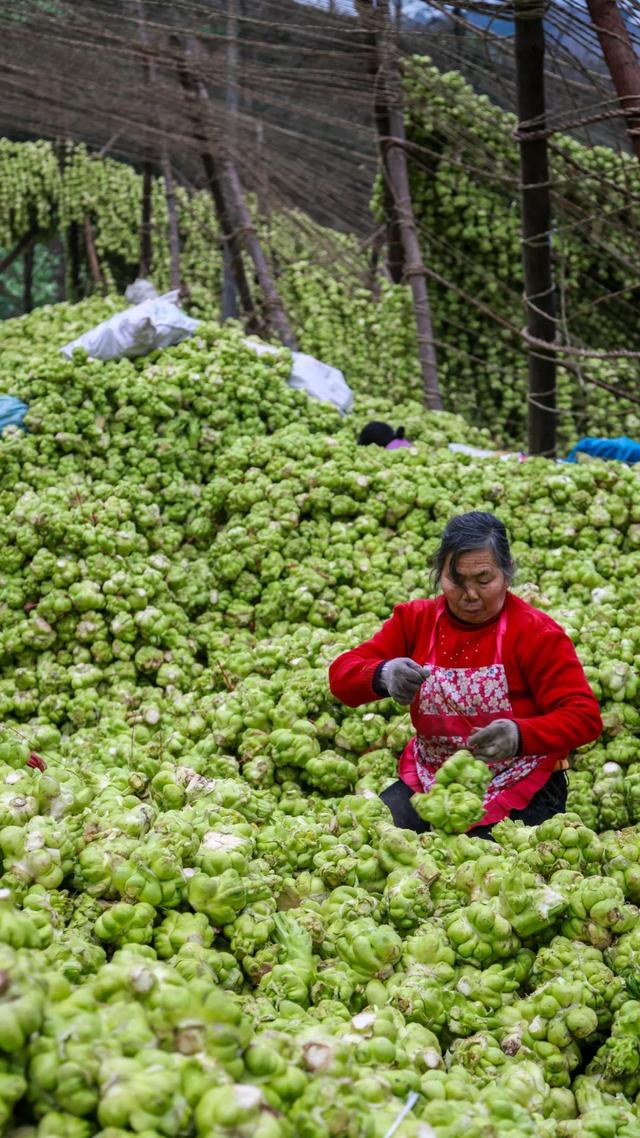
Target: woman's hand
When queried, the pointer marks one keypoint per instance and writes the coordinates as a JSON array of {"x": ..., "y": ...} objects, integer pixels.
[
  {"x": 500, "y": 740},
  {"x": 402, "y": 677}
]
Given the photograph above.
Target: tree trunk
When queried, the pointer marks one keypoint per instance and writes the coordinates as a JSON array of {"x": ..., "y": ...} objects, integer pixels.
[
  {"x": 622, "y": 61},
  {"x": 198, "y": 98},
  {"x": 397, "y": 177},
  {"x": 275, "y": 309},
  {"x": 19, "y": 248},
  {"x": 146, "y": 249},
  {"x": 172, "y": 212},
  {"x": 536, "y": 225},
  {"x": 27, "y": 280},
  {"x": 92, "y": 255}
]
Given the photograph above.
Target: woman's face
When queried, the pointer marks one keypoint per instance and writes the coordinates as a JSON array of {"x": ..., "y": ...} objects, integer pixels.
[{"x": 482, "y": 589}]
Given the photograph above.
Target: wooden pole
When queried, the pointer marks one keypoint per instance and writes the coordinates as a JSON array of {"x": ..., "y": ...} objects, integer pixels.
[
  {"x": 174, "y": 230},
  {"x": 374, "y": 264},
  {"x": 150, "y": 74},
  {"x": 231, "y": 76},
  {"x": 264, "y": 204},
  {"x": 414, "y": 272},
  {"x": 197, "y": 97},
  {"x": 536, "y": 223},
  {"x": 275, "y": 309},
  {"x": 396, "y": 175},
  {"x": 229, "y": 300},
  {"x": 27, "y": 280},
  {"x": 622, "y": 61},
  {"x": 231, "y": 238},
  {"x": 57, "y": 248},
  {"x": 146, "y": 214},
  {"x": 395, "y": 244},
  {"x": 229, "y": 309},
  {"x": 73, "y": 262},
  {"x": 92, "y": 255},
  {"x": 395, "y": 250},
  {"x": 146, "y": 248},
  {"x": 70, "y": 242}
]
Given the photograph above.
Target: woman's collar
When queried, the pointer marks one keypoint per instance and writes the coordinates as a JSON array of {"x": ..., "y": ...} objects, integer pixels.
[{"x": 469, "y": 625}]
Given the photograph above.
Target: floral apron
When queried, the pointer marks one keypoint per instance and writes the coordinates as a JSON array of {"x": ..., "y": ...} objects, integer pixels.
[{"x": 451, "y": 704}]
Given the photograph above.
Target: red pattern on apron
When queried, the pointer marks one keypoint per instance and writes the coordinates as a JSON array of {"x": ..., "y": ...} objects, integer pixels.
[{"x": 454, "y": 702}]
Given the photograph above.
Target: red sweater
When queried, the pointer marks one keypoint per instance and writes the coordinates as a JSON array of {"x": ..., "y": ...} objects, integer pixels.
[{"x": 552, "y": 702}]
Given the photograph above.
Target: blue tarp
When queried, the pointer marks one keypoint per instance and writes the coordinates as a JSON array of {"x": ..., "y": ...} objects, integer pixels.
[
  {"x": 623, "y": 449},
  {"x": 12, "y": 412}
]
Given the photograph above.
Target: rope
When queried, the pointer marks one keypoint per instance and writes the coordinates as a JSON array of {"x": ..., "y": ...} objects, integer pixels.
[
  {"x": 558, "y": 412},
  {"x": 524, "y": 131},
  {"x": 582, "y": 353}
]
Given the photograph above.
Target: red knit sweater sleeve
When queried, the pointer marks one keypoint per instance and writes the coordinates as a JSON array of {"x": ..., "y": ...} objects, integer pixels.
[
  {"x": 568, "y": 712},
  {"x": 351, "y": 674}
]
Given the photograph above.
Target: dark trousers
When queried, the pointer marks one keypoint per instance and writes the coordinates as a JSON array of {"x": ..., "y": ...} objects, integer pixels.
[{"x": 550, "y": 799}]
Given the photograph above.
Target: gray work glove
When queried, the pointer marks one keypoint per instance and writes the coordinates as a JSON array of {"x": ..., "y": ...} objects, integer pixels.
[
  {"x": 500, "y": 740},
  {"x": 402, "y": 678}
]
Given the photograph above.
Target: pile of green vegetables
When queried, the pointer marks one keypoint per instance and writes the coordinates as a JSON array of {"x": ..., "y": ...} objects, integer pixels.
[{"x": 209, "y": 927}]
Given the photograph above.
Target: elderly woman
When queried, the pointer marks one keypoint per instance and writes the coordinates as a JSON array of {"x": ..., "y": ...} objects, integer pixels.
[{"x": 481, "y": 669}]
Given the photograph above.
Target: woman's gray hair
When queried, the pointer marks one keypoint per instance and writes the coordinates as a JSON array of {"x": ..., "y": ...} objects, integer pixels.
[{"x": 470, "y": 532}]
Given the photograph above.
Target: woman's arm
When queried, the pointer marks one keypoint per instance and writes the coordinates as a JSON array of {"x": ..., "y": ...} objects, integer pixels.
[
  {"x": 351, "y": 674},
  {"x": 569, "y": 712}
]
